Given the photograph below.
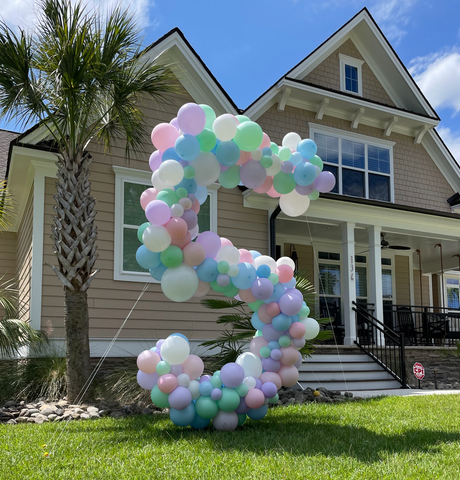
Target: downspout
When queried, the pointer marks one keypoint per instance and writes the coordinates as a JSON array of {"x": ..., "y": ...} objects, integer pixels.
[{"x": 272, "y": 239}]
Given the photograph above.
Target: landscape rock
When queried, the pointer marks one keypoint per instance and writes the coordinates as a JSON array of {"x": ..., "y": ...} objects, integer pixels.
[
  {"x": 10, "y": 403},
  {"x": 11, "y": 422},
  {"x": 41, "y": 419}
]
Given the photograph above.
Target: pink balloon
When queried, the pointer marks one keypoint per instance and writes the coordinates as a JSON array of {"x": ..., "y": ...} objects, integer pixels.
[
  {"x": 148, "y": 196},
  {"x": 325, "y": 182},
  {"x": 193, "y": 367},
  {"x": 155, "y": 160},
  {"x": 164, "y": 136},
  {"x": 254, "y": 398},
  {"x": 167, "y": 383},
  {"x": 245, "y": 256},
  {"x": 256, "y": 344},
  {"x": 182, "y": 242},
  {"x": 263, "y": 314},
  {"x": 285, "y": 273},
  {"x": 252, "y": 174},
  {"x": 296, "y": 330},
  {"x": 196, "y": 207},
  {"x": 244, "y": 157},
  {"x": 158, "y": 212},
  {"x": 247, "y": 296},
  {"x": 266, "y": 142},
  {"x": 225, "y": 241},
  {"x": 273, "y": 309},
  {"x": 211, "y": 243},
  {"x": 176, "y": 227},
  {"x": 289, "y": 355},
  {"x": 271, "y": 377},
  {"x": 203, "y": 289},
  {"x": 191, "y": 118},
  {"x": 273, "y": 193},
  {"x": 265, "y": 187},
  {"x": 147, "y": 361},
  {"x": 289, "y": 375},
  {"x": 194, "y": 254}
]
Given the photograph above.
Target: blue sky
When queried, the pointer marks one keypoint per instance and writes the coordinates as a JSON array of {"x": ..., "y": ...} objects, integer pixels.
[{"x": 249, "y": 44}]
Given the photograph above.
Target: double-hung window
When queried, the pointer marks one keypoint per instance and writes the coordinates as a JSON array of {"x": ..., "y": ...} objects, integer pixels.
[
  {"x": 129, "y": 215},
  {"x": 362, "y": 166}
]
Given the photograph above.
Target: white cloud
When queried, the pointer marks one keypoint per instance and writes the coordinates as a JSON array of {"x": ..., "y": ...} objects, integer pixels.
[{"x": 452, "y": 140}]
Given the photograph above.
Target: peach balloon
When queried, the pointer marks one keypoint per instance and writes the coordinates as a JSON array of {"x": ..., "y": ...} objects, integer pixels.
[
  {"x": 194, "y": 254},
  {"x": 254, "y": 398},
  {"x": 193, "y": 367},
  {"x": 289, "y": 356},
  {"x": 225, "y": 241},
  {"x": 263, "y": 314},
  {"x": 183, "y": 241},
  {"x": 265, "y": 187},
  {"x": 245, "y": 256},
  {"x": 256, "y": 344},
  {"x": 266, "y": 142},
  {"x": 167, "y": 383},
  {"x": 202, "y": 290},
  {"x": 148, "y": 196},
  {"x": 196, "y": 207},
  {"x": 285, "y": 273},
  {"x": 186, "y": 203},
  {"x": 177, "y": 227},
  {"x": 247, "y": 296},
  {"x": 297, "y": 330},
  {"x": 244, "y": 157},
  {"x": 273, "y": 309},
  {"x": 289, "y": 375},
  {"x": 271, "y": 377},
  {"x": 273, "y": 193},
  {"x": 147, "y": 361}
]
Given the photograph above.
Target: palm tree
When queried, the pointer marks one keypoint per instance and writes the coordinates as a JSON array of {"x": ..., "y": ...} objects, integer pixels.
[{"x": 81, "y": 76}]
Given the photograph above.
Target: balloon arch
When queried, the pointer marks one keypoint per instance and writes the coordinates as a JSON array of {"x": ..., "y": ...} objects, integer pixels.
[{"x": 193, "y": 151}]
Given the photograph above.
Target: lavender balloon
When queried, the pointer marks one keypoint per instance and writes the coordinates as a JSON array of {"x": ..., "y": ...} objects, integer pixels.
[
  {"x": 191, "y": 118},
  {"x": 242, "y": 407},
  {"x": 211, "y": 243},
  {"x": 191, "y": 218},
  {"x": 325, "y": 182},
  {"x": 269, "y": 389},
  {"x": 252, "y": 174},
  {"x": 216, "y": 394},
  {"x": 232, "y": 375},
  {"x": 270, "y": 334},
  {"x": 271, "y": 365},
  {"x": 180, "y": 398},
  {"x": 147, "y": 380},
  {"x": 262, "y": 288},
  {"x": 290, "y": 304},
  {"x": 286, "y": 167},
  {"x": 305, "y": 189},
  {"x": 176, "y": 370},
  {"x": 276, "y": 354}
]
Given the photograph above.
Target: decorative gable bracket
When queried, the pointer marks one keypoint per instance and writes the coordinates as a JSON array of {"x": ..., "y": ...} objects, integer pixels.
[
  {"x": 357, "y": 117},
  {"x": 420, "y": 133}
]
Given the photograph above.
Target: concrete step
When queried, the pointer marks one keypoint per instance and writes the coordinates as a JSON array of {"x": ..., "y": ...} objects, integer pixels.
[
  {"x": 329, "y": 366},
  {"x": 354, "y": 385},
  {"x": 334, "y": 358},
  {"x": 348, "y": 376}
]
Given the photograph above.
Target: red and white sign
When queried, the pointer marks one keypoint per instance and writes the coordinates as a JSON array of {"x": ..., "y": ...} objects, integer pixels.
[{"x": 418, "y": 370}]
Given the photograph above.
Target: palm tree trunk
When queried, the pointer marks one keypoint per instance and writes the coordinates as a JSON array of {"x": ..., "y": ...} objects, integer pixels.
[{"x": 74, "y": 236}]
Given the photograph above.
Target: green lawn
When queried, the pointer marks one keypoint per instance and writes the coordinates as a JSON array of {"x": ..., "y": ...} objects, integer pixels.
[{"x": 394, "y": 438}]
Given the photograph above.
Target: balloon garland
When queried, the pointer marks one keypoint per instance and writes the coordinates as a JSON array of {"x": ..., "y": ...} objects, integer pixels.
[{"x": 195, "y": 150}]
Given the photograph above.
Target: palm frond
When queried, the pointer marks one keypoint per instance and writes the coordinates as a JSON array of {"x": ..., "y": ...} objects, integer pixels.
[
  {"x": 15, "y": 334},
  {"x": 6, "y": 207},
  {"x": 219, "y": 304}
]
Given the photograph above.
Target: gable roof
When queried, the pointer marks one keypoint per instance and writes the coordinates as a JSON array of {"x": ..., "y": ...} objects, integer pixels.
[{"x": 6, "y": 137}]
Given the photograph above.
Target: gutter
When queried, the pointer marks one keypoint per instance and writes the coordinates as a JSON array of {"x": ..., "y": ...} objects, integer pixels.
[{"x": 272, "y": 239}]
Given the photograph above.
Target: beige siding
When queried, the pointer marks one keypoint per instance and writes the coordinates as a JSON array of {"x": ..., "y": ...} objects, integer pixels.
[
  {"x": 24, "y": 257},
  {"x": 425, "y": 289},
  {"x": 8, "y": 241},
  {"x": 402, "y": 280},
  {"x": 109, "y": 300},
  {"x": 417, "y": 180},
  {"x": 327, "y": 74}
]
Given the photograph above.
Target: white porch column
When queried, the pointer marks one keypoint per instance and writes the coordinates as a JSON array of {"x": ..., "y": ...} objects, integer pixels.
[
  {"x": 348, "y": 282},
  {"x": 375, "y": 275}
]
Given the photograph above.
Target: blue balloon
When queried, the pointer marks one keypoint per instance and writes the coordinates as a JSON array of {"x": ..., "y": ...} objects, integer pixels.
[
  {"x": 207, "y": 270},
  {"x": 291, "y": 284},
  {"x": 189, "y": 185},
  {"x": 281, "y": 322},
  {"x": 273, "y": 345},
  {"x": 206, "y": 388},
  {"x": 246, "y": 276},
  {"x": 170, "y": 154},
  {"x": 263, "y": 271},
  {"x": 187, "y": 147},
  {"x": 147, "y": 259},
  {"x": 215, "y": 148},
  {"x": 227, "y": 153},
  {"x": 179, "y": 335},
  {"x": 157, "y": 272},
  {"x": 267, "y": 151},
  {"x": 305, "y": 173},
  {"x": 201, "y": 194},
  {"x": 296, "y": 159},
  {"x": 254, "y": 254},
  {"x": 257, "y": 322},
  {"x": 278, "y": 292},
  {"x": 258, "y": 413},
  {"x": 199, "y": 423},
  {"x": 295, "y": 318},
  {"x": 307, "y": 148},
  {"x": 183, "y": 418}
]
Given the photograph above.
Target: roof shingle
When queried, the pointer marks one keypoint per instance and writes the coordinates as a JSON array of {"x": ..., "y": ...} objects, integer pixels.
[{"x": 6, "y": 137}]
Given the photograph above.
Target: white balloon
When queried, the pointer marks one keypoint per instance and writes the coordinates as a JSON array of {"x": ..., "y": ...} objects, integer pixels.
[
  {"x": 229, "y": 254},
  {"x": 293, "y": 204},
  {"x": 156, "y": 181},
  {"x": 265, "y": 260},
  {"x": 179, "y": 284},
  {"x": 256, "y": 154},
  {"x": 194, "y": 231},
  {"x": 311, "y": 328},
  {"x": 177, "y": 210},
  {"x": 156, "y": 238},
  {"x": 276, "y": 166},
  {"x": 183, "y": 380},
  {"x": 291, "y": 140},
  {"x": 224, "y": 127},
  {"x": 171, "y": 172},
  {"x": 250, "y": 382},
  {"x": 250, "y": 363},
  {"x": 285, "y": 261},
  {"x": 175, "y": 350},
  {"x": 194, "y": 388},
  {"x": 233, "y": 271},
  {"x": 207, "y": 168},
  {"x": 227, "y": 421}
]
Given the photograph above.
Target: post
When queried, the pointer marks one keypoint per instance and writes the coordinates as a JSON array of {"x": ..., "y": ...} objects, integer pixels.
[
  {"x": 375, "y": 293},
  {"x": 403, "y": 362},
  {"x": 348, "y": 282}
]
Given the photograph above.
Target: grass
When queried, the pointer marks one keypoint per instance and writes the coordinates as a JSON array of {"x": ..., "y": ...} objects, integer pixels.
[{"x": 386, "y": 438}]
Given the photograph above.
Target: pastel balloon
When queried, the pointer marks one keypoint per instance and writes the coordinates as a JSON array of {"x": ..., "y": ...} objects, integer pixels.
[
  {"x": 202, "y": 290},
  {"x": 232, "y": 374},
  {"x": 207, "y": 168},
  {"x": 247, "y": 296},
  {"x": 158, "y": 212},
  {"x": 171, "y": 172},
  {"x": 311, "y": 328},
  {"x": 252, "y": 174},
  {"x": 176, "y": 227},
  {"x": 211, "y": 243},
  {"x": 271, "y": 377},
  {"x": 227, "y": 421},
  {"x": 286, "y": 261},
  {"x": 155, "y": 160},
  {"x": 289, "y": 375},
  {"x": 290, "y": 304},
  {"x": 147, "y": 361},
  {"x": 164, "y": 136},
  {"x": 224, "y": 127},
  {"x": 255, "y": 398},
  {"x": 193, "y": 366},
  {"x": 325, "y": 182},
  {"x": 297, "y": 330},
  {"x": 179, "y": 284},
  {"x": 180, "y": 398},
  {"x": 250, "y": 363},
  {"x": 294, "y": 204},
  {"x": 265, "y": 260},
  {"x": 229, "y": 254},
  {"x": 307, "y": 148},
  {"x": 289, "y": 355},
  {"x": 194, "y": 254},
  {"x": 291, "y": 140},
  {"x": 156, "y": 238},
  {"x": 147, "y": 380},
  {"x": 148, "y": 196},
  {"x": 191, "y": 118},
  {"x": 167, "y": 383},
  {"x": 245, "y": 256}
]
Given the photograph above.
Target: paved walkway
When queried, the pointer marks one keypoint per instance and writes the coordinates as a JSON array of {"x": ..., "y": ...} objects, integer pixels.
[{"x": 403, "y": 392}]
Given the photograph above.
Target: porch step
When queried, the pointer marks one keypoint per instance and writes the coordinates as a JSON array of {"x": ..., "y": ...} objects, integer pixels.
[{"x": 345, "y": 372}]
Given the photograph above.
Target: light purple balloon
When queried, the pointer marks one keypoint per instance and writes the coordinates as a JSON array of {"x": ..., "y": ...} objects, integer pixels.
[
  {"x": 286, "y": 167},
  {"x": 325, "y": 182},
  {"x": 305, "y": 189},
  {"x": 232, "y": 375},
  {"x": 294, "y": 291},
  {"x": 271, "y": 365},
  {"x": 290, "y": 304},
  {"x": 191, "y": 118},
  {"x": 298, "y": 342},
  {"x": 242, "y": 407},
  {"x": 159, "y": 344},
  {"x": 216, "y": 394},
  {"x": 223, "y": 280},
  {"x": 276, "y": 354},
  {"x": 176, "y": 369},
  {"x": 174, "y": 123},
  {"x": 205, "y": 378},
  {"x": 269, "y": 389},
  {"x": 192, "y": 197},
  {"x": 262, "y": 288},
  {"x": 155, "y": 160},
  {"x": 258, "y": 383},
  {"x": 211, "y": 243},
  {"x": 147, "y": 380},
  {"x": 252, "y": 174},
  {"x": 158, "y": 212},
  {"x": 299, "y": 361},
  {"x": 270, "y": 334},
  {"x": 184, "y": 163},
  {"x": 223, "y": 168},
  {"x": 180, "y": 398},
  {"x": 191, "y": 218}
]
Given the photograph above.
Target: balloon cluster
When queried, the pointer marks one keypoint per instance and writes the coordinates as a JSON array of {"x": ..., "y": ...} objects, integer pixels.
[{"x": 195, "y": 150}]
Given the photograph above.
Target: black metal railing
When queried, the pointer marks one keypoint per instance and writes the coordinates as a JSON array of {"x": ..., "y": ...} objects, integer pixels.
[
  {"x": 424, "y": 326},
  {"x": 381, "y": 343}
]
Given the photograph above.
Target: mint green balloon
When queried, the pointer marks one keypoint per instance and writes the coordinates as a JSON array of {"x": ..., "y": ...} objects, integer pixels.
[
  {"x": 159, "y": 398},
  {"x": 259, "y": 333},
  {"x": 141, "y": 230},
  {"x": 181, "y": 192},
  {"x": 223, "y": 266},
  {"x": 249, "y": 136},
  {"x": 216, "y": 382},
  {"x": 210, "y": 115},
  {"x": 229, "y": 400},
  {"x": 274, "y": 399},
  {"x": 231, "y": 177},
  {"x": 265, "y": 352},
  {"x": 241, "y": 419},
  {"x": 317, "y": 162},
  {"x": 206, "y": 407},
  {"x": 284, "y": 182},
  {"x": 168, "y": 196},
  {"x": 216, "y": 287},
  {"x": 304, "y": 311},
  {"x": 189, "y": 172},
  {"x": 242, "y": 389},
  {"x": 266, "y": 161},
  {"x": 230, "y": 290},
  {"x": 274, "y": 147},
  {"x": 243, "y": 118},
  {"x": 284, "y": 154},
  {"x": 314, "y": 195},
  {"x": 284, "y": 341},
  {"x": 273, "y": 277},
  {"x": 163, "y": 367},
  {"x": 254, "y": 306},
  {"x": 207, "y": 140},
  {"x": 171, "y": 257}
]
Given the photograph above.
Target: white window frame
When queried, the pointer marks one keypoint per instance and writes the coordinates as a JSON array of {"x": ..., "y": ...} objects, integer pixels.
[
  {"x": 450, "y": 275},
  {"x": 141, "y": 177},
  {"x": 352, "y": 62},
  {"x": 356, "y": 137}
]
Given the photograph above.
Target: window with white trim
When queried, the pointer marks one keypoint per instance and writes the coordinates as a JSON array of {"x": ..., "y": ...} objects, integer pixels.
[
  {"x": 351, "y": 75},
  {"x": 362, "y": 166},
  {"x": 129, "y": 216},
  {"x": 452, "y": 292}
]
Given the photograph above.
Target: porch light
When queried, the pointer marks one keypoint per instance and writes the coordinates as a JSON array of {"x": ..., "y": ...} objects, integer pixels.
[{"x": 294, "y": 256}]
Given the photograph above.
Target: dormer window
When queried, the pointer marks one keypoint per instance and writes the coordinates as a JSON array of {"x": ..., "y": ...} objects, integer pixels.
[{"x": 351, "y": 75}]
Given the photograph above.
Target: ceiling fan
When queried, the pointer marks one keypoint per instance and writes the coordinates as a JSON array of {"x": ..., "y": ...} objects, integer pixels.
[{"x": 385, "y": 245}]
